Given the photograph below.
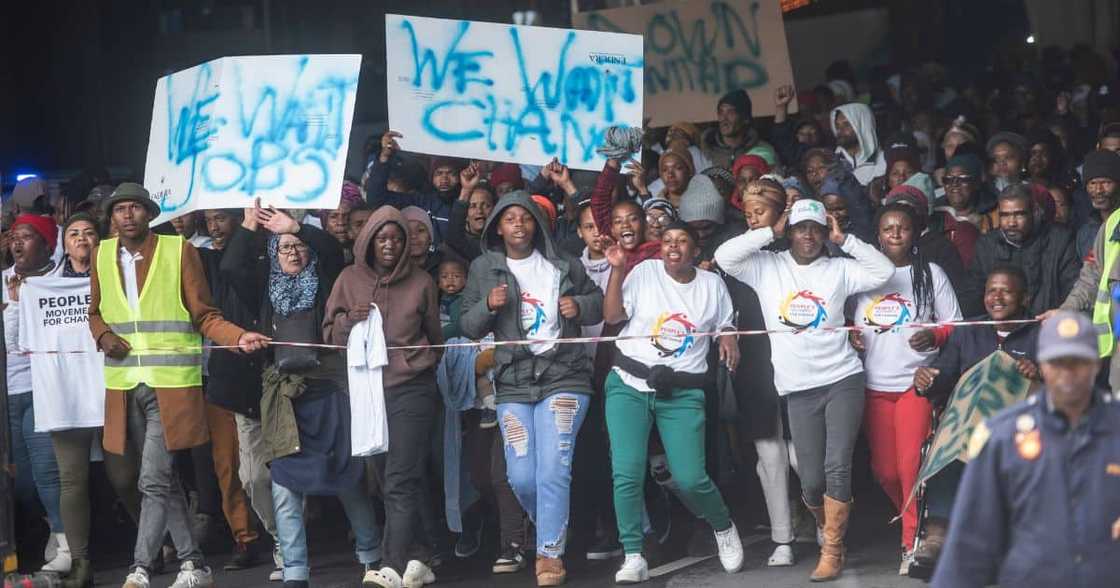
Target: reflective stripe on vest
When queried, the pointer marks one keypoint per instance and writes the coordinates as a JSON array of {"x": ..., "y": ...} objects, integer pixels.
[
  {"x": 1102, "y": 308},
  {"x": 166, "y": 348}
]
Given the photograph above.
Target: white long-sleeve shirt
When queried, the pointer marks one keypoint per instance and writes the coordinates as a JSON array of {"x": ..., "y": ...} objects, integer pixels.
[{"x": 806, "y": 297}]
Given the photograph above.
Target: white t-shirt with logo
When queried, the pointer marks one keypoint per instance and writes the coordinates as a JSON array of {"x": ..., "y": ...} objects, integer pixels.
[
  {"x": 889, "y": 363},
  {"x": 807, "y": 298},
  {"x": 669, "y": 313},
  {"x": 539, "y": 282}
]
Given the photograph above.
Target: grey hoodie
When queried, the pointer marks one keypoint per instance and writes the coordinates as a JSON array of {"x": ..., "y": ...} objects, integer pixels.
[{"x": 520, "y": 375}]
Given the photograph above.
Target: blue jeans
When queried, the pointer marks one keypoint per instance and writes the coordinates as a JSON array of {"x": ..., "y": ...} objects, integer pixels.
[
  {"x": 288, "y": 505},
  {"x": 540, "y": 440},
  {"x": 33, "y": 456}
]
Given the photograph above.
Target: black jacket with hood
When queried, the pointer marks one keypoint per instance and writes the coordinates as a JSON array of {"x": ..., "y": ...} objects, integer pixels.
[{"x": 520, "y": 375}]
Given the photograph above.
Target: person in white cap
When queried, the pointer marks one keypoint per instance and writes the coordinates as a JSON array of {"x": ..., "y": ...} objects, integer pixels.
[
  {"x": 1039, "y": 504},
  {"x": 815, "y": 368}
]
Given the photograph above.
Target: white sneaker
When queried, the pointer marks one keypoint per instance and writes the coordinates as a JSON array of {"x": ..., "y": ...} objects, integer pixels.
[
  {"x": 782, "y": 557},
  {"x": 61, "y": 561},
  {"x": 730, "y": 549},
  {"x": 51, "y": 549},
  {"x": 417, "y": 575},
  {"x": 634, "y": 570},
  {"x": 384, "y": 578},
  {"x": 192, "y": 577},
  {"x": 907, "y": 559},
  {"x": 137, "y": 579}
]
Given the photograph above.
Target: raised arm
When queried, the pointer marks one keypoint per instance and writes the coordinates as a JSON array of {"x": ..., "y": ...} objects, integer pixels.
[
  {"x": 868, "y": 269},
  {"x": 614, "y": 310},
  {"x": 601, "y": 201}
]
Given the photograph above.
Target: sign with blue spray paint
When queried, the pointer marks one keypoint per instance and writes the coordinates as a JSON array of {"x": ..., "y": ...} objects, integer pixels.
[
  {"x": 698, "y": 50},
  {"x": 509, "y": 93},
  {"x": 234, "y": 129}
]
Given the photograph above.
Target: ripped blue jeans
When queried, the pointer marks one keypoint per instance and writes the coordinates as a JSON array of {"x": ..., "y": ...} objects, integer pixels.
[{"x": 540, "y": 440}]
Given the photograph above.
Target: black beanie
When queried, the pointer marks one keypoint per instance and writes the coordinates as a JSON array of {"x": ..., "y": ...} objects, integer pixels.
[
  {"x": 1101, "y": 164},
  {"x": 740, "y": 101}
]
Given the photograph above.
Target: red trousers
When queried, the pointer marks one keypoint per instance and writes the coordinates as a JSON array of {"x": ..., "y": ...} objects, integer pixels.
[{"x": 896, "y": 425}]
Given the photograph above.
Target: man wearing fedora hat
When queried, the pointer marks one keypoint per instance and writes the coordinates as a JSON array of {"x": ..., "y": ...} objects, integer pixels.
[
  {"x": 149, "y": 309},
  {"x": 1039, "y": 504}
]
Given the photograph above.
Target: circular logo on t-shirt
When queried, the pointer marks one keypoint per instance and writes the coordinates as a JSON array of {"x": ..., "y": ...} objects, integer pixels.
[
  {"x": 672, "y": 334},
  {"x": 802, "y": 310},
  {"x": 532, "y": 313},
  {"x": 887, "y": 312}
]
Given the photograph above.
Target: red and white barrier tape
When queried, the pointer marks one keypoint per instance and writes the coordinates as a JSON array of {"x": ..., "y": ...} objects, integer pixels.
[{"x": 585, "y": 340}]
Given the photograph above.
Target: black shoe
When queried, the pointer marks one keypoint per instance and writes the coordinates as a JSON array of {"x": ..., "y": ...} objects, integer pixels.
[
  {"x": 510, "y": 561},
  {"x": 603, "y": 549},
  {"x": 244, "y": 557}
]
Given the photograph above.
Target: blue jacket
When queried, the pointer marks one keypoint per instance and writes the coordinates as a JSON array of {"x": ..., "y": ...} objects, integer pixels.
[{"x": 1041, "y": 518}]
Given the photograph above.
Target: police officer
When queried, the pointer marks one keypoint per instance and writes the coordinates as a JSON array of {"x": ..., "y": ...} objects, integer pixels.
[{"x": 1040, "y": 500}]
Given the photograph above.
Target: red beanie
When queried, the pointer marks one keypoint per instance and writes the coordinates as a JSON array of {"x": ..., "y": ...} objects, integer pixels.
[
  {"x": 749, "y": 160},
  {"x": 44, "y": 225},
  {"x": 547, "y": 207},
  {"x": 507, "y": 172}
]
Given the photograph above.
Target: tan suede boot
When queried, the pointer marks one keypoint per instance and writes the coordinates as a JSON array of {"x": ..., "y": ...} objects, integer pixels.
[
  {"x": 818, "y": 516},
  {"x": 832, "y": 552},
  {"x": 550, "y": 571}
]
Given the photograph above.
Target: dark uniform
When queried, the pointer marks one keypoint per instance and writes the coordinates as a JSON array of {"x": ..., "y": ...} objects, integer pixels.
[{"x": 1038, "y": 501}]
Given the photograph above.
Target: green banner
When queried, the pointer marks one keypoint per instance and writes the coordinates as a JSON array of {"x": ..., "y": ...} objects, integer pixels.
[{"x": 990, "y": 386}]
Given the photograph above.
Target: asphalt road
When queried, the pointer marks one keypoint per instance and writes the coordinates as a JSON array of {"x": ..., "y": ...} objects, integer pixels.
[{"x": 872, "y": 562}]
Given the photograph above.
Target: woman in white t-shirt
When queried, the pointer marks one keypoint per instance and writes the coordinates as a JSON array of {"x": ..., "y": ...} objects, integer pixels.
[
  {"x": 895, "y": 419},
  {"x": 659, "y": 378},
  {"x": 802, "y": 292}
]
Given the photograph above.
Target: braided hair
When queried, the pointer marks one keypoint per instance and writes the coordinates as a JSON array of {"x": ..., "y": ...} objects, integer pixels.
[{"x": 921, "y": 276}]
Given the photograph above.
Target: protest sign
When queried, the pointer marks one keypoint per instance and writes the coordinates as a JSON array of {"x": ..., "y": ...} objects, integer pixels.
[
  {"x": 509, "y": 93},
  {"x": 68, "y": 386},
  {"x": 234, "y": 129},
  {"x": 990, "y": 386},
  {"x": 698, "y": 50}
]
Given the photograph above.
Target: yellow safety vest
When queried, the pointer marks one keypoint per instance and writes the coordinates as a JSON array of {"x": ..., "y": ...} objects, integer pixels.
[
  {"x": 1102, "y": 309},
  {"x": 166, "y": 348}
]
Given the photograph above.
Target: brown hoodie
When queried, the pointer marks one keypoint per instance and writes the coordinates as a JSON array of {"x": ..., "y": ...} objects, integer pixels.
[{"x": 408, "y": 300}]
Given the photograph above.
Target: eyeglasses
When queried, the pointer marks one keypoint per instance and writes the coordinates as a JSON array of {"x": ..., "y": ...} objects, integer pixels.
[
  {"x": 291, "y": 248},
  {"x": 658, "y": 219},
  {"x": 957, "y": 180}
]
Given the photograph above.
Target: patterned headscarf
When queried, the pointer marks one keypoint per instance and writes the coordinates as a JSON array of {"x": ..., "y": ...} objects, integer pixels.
[{"x": 291, "y": 293}]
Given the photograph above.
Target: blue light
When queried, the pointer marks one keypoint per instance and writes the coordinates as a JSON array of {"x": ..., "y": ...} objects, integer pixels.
[{"x": 22, "y": 177}]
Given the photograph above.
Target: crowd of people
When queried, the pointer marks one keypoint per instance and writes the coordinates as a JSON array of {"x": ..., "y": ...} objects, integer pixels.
[{"x": 453, "y": 286}]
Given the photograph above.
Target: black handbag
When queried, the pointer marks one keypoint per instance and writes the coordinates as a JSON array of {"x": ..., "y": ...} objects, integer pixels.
[{"x": 298, "y": 327}]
